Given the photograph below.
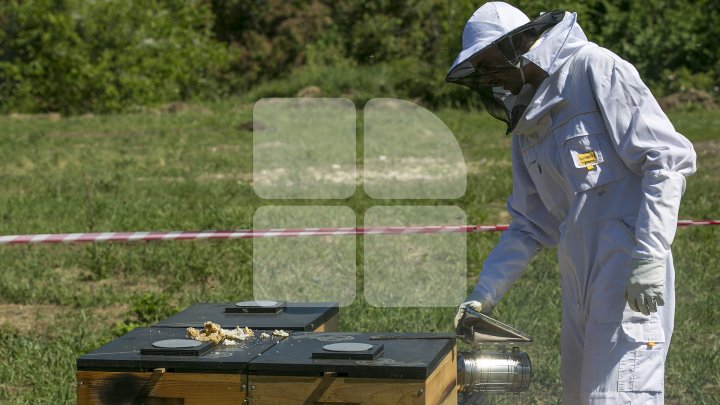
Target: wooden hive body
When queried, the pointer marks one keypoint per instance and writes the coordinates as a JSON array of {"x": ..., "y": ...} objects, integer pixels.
[
  {"x": 411, "y": 370},
  {"x": 402, "y": 369},
  {"x": 117, "y": 373}
]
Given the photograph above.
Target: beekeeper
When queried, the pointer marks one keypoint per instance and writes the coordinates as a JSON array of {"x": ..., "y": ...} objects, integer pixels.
[{"x": 598, "y": 171}]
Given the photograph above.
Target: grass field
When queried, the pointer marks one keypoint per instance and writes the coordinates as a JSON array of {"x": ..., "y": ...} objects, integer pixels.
[{"x": 189, "y": 167}]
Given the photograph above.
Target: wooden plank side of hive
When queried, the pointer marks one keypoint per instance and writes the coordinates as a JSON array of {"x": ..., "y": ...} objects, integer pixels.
[
  {"x": 441, "y": 386},
  {"x": 329, "y": 389},
  {"x": 100, "y": 387}
]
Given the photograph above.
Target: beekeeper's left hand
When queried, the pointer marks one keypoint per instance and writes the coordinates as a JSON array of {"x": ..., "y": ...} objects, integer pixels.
[{"x": 645, "y": 285}]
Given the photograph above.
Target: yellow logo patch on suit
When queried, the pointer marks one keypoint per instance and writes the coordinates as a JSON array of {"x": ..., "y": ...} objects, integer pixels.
[{"x": 587, "y": 160}]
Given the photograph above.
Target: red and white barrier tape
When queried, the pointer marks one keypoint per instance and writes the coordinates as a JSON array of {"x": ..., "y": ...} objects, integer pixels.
[
  {"x": 239, "y": 234},
  {"x": 259, "y": 233},
  {"x": 688, "y": 222}
]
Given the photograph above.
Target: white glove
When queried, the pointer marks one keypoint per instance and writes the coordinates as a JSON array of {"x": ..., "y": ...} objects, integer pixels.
[
  {"x": 474, "y": 301},
  {"x": 645, "y": 283}
]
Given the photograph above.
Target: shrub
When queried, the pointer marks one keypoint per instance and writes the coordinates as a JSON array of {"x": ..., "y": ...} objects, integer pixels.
[
  {"x": 109, "y": 55},
  {"x": 269, "y": 37},
  {"x": 106, "y": 55},
  {"x": 407, "y": 79},
  {"x": 424, "y": 36}
]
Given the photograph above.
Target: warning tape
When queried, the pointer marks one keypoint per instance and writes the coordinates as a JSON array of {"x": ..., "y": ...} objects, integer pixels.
[
  {"x": 239, "y": 234},
  {"x": 259, "y": 233},
  {"x": 688, "y": 222}
]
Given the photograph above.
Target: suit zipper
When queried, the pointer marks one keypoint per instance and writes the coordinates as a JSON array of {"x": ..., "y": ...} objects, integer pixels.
[{"x": 626, "y": 228}]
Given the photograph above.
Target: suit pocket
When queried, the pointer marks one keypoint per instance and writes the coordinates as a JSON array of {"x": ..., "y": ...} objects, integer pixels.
[
  {"x": 587, "y": 162},
  {"x": 642, "y": 367}
]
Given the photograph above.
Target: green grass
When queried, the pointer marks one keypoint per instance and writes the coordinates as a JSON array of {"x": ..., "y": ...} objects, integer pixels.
[{"x": 191, "y": 170}]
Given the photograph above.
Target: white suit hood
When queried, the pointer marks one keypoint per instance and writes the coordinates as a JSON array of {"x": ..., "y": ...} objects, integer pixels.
[
  {"x": 550, "y": 52},
  {"x": 488, "y": 23},
  {"x": 557, "y": 45}
]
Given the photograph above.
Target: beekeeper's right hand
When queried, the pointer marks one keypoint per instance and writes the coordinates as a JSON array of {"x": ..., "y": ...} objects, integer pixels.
[{"x": 473, "y": 301}]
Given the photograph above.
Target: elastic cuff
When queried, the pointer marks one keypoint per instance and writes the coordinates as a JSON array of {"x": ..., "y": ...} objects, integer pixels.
[{"x": 480, "y": 294}]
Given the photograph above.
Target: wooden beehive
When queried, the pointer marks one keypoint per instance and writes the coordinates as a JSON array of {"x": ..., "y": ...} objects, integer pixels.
[
  {"x": 411, "y": 369},
  {"x": 397, "y": 369},
  {"x": 309, "y": 317},
  {"x": 120, "y": 373}
]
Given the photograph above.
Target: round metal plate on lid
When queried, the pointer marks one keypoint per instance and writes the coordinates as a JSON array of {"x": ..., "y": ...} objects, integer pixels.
[
  {"x": 347, "y": 347},
  {"x": 176, "y": 343},
  {"x": 261, "y": 303}
]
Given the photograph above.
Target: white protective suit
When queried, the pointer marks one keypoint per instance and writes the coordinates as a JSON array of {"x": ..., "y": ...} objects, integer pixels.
[{"x": 599, "y": 215}]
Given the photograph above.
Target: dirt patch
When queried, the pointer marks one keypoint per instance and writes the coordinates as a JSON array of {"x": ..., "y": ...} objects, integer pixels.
[
  {"x": 382, "y": 169},
  {"x": 29, "y": 319},
  {"x": 121, "y": 283},
  {"x": 688, "y": 99},
  {"x": 83, "y": 284},
  {"x": 165, "y": 179},
  {"x": 12, "y": 391},
  {"x": 179, "y": 107},
  {"x": 310, "y": 91},
  {"x": 242, "y": 107},
  {"x": 225, "y": 148},
  {"x": 104, "y": 318},
  {"x": 486, "y": 165},
  {"x": 175, "y": 107},
  {"x": 26, "y": 117},
  {"x": 413, "y": 169},
  {"x": 707, "y": 148},
  {"x": 269, "y": 145},
  {"x": 94, "y": 134},
  {"x": 707, "y": 161},
  {"x": 52, "y": 320},
  {"x": 236, "y": 177}
]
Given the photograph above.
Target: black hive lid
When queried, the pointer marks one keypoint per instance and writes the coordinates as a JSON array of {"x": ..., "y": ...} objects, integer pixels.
[
  {"x": 404, "y": 356},
  {"x": 124, "y": 353},
  {"x": 294, "y": 317}
]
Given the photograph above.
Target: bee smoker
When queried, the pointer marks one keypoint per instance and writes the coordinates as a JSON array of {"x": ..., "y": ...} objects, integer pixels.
[{"x": 495, "y": 364}]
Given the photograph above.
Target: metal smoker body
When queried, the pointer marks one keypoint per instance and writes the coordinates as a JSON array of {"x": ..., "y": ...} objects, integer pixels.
[{"x": 495, "y": 364}]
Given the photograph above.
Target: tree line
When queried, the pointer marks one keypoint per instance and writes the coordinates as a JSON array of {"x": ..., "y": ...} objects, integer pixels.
[{"x": 76, "y": 56}]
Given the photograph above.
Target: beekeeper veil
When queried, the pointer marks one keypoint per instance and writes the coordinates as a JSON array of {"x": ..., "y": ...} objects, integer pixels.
[{"x": 502, "y": 29}]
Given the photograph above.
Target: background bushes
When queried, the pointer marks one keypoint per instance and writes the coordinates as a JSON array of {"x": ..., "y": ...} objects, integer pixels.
[
  {"x": 74, "y": 56},
  {"x": 106, "y": 55}
]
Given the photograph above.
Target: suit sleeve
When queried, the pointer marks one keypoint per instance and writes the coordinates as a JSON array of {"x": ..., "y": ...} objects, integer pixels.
[
  {"x": 649, "y": 146},
  {"x": 531, "y": 229}
]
